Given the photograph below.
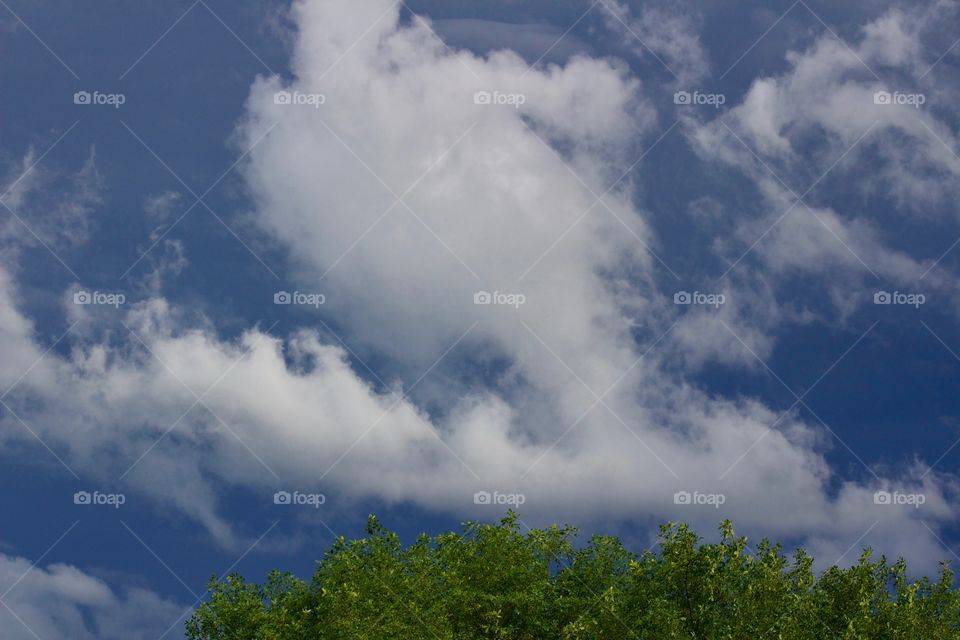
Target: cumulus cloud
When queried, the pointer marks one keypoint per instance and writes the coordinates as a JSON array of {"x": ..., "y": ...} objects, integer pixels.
[
  {"x": 873, "y": 110},
  {"x": 61, "y": 601},
  {"x": 296, "y": 416},
  {"x": 827, "y": 99},
  {"x": 420, "y": 179}
]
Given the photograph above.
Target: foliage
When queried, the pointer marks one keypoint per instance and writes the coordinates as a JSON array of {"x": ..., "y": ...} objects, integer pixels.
[{"x": 495, "y": 582}]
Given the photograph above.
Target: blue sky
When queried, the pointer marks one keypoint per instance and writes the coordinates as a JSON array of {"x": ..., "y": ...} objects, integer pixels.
[{"x": 719, "y": 243}]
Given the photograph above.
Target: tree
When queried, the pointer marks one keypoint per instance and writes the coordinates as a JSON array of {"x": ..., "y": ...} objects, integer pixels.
[{"x": 496, "y": 582}]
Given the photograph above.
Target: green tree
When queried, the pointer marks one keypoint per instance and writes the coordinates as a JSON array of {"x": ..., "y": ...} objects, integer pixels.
[{"x": 497, "y": 582}]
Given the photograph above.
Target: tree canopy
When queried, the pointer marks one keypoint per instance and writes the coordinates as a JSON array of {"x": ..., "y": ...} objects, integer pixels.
[{"x": 495, "y": 581}]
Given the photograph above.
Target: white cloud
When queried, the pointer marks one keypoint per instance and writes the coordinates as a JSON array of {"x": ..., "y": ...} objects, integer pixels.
[
  {"x": 162, "y": 208},
  {"x": 824, "y": 102},
  {"x": 817, "y": 122},
  {"x": 59, "y": 220},
  {"x": 669, "y": 32},
  {"x": 492, "y": 202},
  {"x": 61, "y": 601}
]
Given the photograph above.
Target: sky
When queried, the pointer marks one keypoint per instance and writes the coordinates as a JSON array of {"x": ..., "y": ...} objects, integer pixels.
[{"x": 267, "y": 268}]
